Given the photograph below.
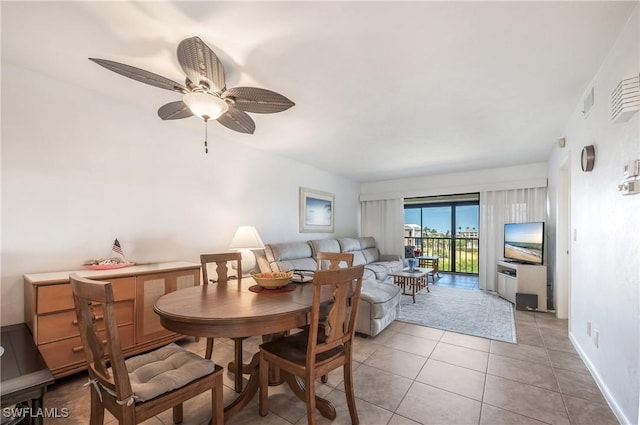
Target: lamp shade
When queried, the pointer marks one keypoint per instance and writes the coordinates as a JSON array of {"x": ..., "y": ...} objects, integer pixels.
[
  {"x": 246, "y": 237},
  {"x": 205, "y": 105}
]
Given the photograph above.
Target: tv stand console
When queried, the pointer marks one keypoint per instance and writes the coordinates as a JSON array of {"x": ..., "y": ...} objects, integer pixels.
[{"x": 522, "y": 278}]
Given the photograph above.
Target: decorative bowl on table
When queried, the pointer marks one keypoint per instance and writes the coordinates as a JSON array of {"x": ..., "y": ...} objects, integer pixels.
[
  {"x": 273, "y": 280},
  {"x": 107, "y": 264}
]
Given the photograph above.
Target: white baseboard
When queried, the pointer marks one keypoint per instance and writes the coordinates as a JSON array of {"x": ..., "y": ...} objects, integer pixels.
[{"x": 600, "y": 383}]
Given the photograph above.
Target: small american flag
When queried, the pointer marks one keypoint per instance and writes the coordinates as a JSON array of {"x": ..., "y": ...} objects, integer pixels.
[{"x": 116, "y": 247}]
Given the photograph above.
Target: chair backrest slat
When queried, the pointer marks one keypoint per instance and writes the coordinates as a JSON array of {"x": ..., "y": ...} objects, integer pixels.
[
  {"x": 334, "y": 260},
  {"x": 344, "y": 285},
  {"x": 223, "y": 263}
]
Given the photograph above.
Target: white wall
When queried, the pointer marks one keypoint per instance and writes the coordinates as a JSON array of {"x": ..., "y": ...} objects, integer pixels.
[
  {"x": 605, "y": 269},
  {"x": 516, "y": 177},
  {"x": 79, "y": 170}
]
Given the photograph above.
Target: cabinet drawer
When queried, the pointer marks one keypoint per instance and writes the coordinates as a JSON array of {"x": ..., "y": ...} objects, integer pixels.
[
  {"x": 52, "y": 327},
  {"x": 59, "y": 297},
  {"x": 70, "y": 351}
]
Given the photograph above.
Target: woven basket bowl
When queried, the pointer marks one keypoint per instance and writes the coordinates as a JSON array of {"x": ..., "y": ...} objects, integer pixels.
[{"x": 273, "y": 280}]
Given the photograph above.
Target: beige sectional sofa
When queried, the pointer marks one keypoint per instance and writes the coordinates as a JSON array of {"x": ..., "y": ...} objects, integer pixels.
[{"x": 380, "y": 298}]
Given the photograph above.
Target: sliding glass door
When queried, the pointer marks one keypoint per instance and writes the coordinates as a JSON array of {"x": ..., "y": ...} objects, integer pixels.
[{"x": 446, "y": 227}]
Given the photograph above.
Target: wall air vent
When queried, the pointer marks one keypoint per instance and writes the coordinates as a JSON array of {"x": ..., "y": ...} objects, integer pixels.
[
  {"x": 588, "y": 103},
  {"x": 625, "y": 99}
]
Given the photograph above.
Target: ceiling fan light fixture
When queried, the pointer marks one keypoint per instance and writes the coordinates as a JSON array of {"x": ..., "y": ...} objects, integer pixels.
[
  {"x": 205, "y": 93},
  {"x": 205, "y": 106}
]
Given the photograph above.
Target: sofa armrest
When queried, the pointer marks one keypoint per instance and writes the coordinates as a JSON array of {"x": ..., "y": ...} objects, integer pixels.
[{"x": 261, "y": 260}]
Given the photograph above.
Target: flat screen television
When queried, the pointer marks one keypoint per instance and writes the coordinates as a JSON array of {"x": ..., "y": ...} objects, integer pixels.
[{"x": 524, "y": 242}]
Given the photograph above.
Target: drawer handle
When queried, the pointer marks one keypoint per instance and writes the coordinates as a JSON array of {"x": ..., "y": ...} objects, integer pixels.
[
  {"x": 81, "y": 348},
  {"x": 75, "y": 321}
]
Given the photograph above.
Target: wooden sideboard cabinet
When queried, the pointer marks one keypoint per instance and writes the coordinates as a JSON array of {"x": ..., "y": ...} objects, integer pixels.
[{"x": 50, "y": 315}]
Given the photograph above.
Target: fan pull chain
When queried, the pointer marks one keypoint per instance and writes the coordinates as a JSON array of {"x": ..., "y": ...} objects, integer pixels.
[{"x": 206, "y": 134}]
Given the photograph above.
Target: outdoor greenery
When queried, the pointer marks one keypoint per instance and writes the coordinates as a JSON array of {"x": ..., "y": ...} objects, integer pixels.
[{"x": 466, "y": 251}]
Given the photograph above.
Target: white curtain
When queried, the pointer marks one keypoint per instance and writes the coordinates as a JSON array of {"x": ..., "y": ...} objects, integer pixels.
[
  {"x": 496, "y": 209},
  {"x": 384, "y": 220}
]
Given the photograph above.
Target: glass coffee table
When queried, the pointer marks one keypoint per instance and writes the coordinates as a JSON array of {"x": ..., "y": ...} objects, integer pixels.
[{"x": 416, "y": 280}]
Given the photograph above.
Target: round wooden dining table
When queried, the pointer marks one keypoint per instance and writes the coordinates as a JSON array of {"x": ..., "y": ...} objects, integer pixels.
[{"x": 231, "y": 310}]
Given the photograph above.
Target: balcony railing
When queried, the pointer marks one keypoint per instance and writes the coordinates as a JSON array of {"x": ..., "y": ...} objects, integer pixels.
[{"x": 462, "y": 259}]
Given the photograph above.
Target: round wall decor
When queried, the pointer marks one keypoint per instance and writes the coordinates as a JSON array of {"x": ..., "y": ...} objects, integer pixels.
[{"x": 588, "y": 157}]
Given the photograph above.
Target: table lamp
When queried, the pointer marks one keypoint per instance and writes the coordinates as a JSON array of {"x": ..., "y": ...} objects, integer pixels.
[{"x": 246, "y": 239}]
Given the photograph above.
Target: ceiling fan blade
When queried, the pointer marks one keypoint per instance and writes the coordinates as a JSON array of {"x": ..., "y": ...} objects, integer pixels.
[
  {"x": 141, "y": 75},
  {"x": 201, "y": 65},
  {"x": 237, "y": 120},
  {"x": 262, "y": 101},
  {"x": 174, "y": 111}
]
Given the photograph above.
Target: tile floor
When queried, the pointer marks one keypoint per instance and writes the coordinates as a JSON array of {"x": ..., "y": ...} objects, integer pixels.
[{"x": 411, "y": 375}]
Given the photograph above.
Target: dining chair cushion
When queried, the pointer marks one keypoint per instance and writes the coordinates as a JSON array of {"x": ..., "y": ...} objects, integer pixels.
[
  {"x": 294, "y": 348},
  {"x": 164, "y": 370}
]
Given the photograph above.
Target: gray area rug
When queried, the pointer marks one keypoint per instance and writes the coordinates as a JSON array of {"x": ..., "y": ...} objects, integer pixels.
[{"x": 467, "y": 311}]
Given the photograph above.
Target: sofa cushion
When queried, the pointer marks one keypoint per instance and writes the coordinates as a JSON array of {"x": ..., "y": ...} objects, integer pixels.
[
  {"x": 367, "y": 242},
  {"x": 395, "y": 265},
  {"x": 368, "y": 275},
  {"x": 349, "y": 244},
  {"x": 380, "y": 296},
  {"x": 287, "y": 251},
  {"x": 305, "y": 264},
  {"x": 379, "y": 269},
  {"x": 371, "y": 255},
  {"x": 358, "y": 258},
  {"x": 283, "y": 257},
  {"x": 324, "y": 245},
  {"x": 352, "y": 245}
]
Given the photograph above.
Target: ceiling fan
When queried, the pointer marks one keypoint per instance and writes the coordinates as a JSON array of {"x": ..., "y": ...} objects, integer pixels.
[{"x": 205, "y": 93}]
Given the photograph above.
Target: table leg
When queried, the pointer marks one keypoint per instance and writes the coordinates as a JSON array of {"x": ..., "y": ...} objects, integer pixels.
[
  {"x": 325, "y": 407},
  {"x": 249, "y": 390},
  {"x": 276, "y": 377},
  {"x": 247, "y": 369},
  {"x": 237, "y": 350},
  {"x": 245, "y": 395}
]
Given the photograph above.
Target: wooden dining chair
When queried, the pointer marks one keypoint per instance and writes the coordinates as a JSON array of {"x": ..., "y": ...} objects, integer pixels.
[
  {"x": 332, "y": 261},
  {"x": 143, "y": 386},
  {"x": 311, "y": 354},
  {"x": 223, "y": 263}
]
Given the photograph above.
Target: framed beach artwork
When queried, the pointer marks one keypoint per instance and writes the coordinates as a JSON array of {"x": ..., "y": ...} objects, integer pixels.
[{"x": 316, "y": 211}]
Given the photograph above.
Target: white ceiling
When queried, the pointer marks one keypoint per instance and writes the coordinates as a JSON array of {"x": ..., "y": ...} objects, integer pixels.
[{"x": 382, "y": 89}]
